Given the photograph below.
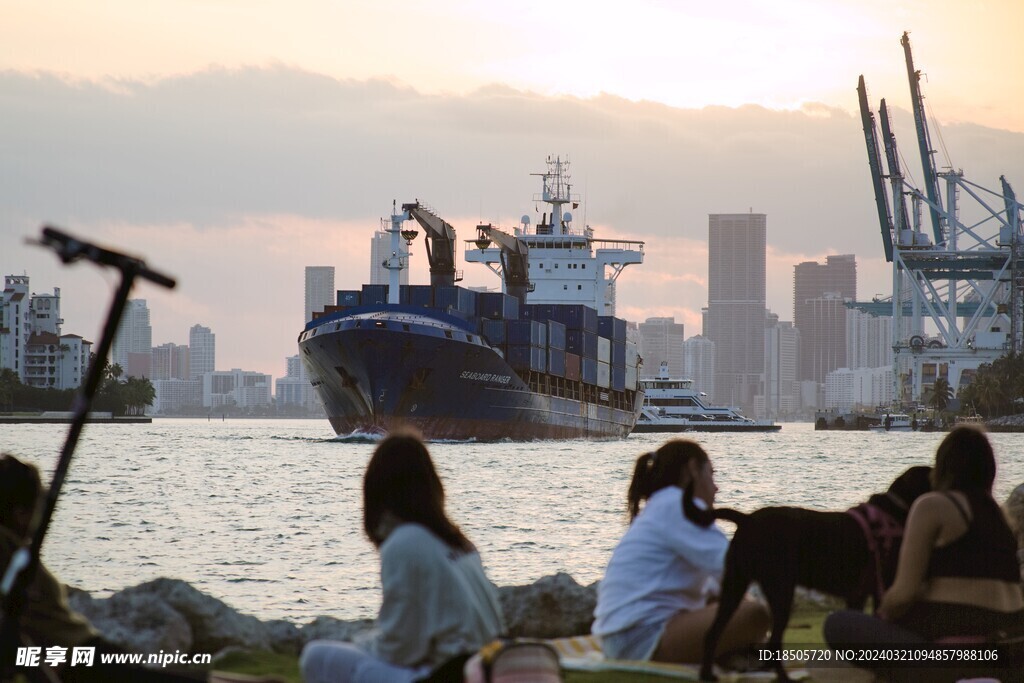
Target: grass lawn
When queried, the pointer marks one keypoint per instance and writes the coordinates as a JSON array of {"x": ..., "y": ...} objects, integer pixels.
[{"x": 804, "y": 629}]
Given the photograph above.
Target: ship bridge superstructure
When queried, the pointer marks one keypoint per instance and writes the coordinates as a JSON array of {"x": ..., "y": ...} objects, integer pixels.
[
  {"x": 567, "y": 263},
  {"x": 964, "y": 276}
]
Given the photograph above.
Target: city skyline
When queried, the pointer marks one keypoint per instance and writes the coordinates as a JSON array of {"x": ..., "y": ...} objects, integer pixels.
[{"x": 234, "y": 164}]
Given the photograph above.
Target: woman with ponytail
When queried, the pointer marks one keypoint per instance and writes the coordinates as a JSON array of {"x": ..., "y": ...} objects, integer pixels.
[{"x": 656, "y": 599}]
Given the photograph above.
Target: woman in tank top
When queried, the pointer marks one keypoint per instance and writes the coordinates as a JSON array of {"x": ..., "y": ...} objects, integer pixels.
[{"x": 957, "y": 575}]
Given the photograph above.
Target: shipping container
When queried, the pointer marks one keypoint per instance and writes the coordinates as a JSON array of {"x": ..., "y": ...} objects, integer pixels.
[
  {"x": 612, "y": 328},
  {"x": 454, "y": 298},
  {"x": 604, "y": 350},
  {"x": 536, "y": 312},
  {"x": 581, "y": 343},
  {"x": 572, "y": 367},
  {"x": 349, "y": 297},
  {"x": 631, "y": 378},
  {"x": 618, "y": 354},
  {"x": 421, "y": 295},
  {"x": 374, "y": 294},
  {"x": 527, "y": 333},
  {"x": 556, "y": 362},
  {"x": 494, "y": 331},
  {"x": 604, "y": 375},
  {"x": 588, "y": 370},
  {"x": 575, "y": 316},
  {"x": 632, "y": 355},
  {"x": 556, "y": 335},
  {"x": 526, "y": 358},
  {"x": 497, "y": 305},
  {"x": 618, "y": 378}
]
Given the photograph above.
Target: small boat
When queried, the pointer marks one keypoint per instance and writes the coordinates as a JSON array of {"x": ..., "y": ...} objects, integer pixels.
[
  {"x": 673, "y": 405},
  {"x": 896, "y": 422}
]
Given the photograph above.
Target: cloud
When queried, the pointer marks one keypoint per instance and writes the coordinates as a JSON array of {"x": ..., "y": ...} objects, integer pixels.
[{"x": 236, "y": 179}]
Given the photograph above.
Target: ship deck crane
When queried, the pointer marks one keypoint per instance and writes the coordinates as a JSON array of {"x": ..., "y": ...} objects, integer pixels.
[
  {"x": 515, "y": 260},
  {"x": 440, "y": 243}
]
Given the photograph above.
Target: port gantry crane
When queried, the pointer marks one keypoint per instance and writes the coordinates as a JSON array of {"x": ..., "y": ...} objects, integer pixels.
[{"x": 967, "y": 278}]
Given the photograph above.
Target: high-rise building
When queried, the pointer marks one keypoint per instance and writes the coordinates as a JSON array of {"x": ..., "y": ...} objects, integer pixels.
[
  {"x": 202, "y": 351},
  {"x": 44, "y": 310},
  {"x": 319, "y": 289},
  {"x": 781, "y": 346},
  {"x": 822, "y": 328},
  {"x": 380, "y": 251},
  {"x": 823, "y": 337},
  {"x": 699, "y": 363},
  {"x": 661, "y": 341},
  {"x": 736, "y": 305},
  {"x": 133, "y": 344},
  {"x": 293, "y": 392},
  {"x": 241, "y": 388},
  {"x": 31, "y": 342},
  {"x": 868, "y": 340},
  {"x": 15, "y": 323},
  {"x": 170, "y": 361}
]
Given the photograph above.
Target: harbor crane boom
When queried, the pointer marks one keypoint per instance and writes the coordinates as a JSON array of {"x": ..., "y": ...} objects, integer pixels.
[
  {"x": 440, "y": 241},
  {"x": 875, "y": 164},
  {"x": 931, "y": 176},
  {"x": 892, "y": 158},
  {"x": 515, "y": 259}
]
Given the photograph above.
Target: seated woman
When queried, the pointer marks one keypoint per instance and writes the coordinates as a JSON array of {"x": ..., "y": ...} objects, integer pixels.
[
  {"x": 437, "y": 603},
  {"x": 654, "y": 602},
  {"x": 47, "y": 620},
  {"x": 957, "y": 574},
  {"x": 1014, "y": 507}
]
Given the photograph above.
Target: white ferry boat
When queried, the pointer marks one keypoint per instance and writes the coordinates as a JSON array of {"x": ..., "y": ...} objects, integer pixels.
[{"x": 673, "y": 405}]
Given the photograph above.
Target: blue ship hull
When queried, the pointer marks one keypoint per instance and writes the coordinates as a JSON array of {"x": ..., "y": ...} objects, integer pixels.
[{"x": 385, "y": 367}]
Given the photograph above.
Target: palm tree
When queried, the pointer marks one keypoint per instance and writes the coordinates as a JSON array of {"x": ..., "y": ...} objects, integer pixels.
[
  {"x": 988, "y": 393},
  {"x": 8, "y": 383},
  {"x": 138, "y": 393},
  {"x": 941, "y": 393}
]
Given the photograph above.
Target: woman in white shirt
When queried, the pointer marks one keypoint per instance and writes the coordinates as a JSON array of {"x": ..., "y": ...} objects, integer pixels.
[
  {"x": 656, "y": 599},
  {"x": 438, "y": 604}
]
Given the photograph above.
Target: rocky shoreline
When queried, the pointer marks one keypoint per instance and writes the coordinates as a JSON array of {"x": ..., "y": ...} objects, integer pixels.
[
  {"x": 1007, "y": 423},
  {"x": 170, "y": 614}
]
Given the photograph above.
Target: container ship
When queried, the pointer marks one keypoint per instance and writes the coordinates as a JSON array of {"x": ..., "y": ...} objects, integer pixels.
[{"x": 544, "y": 358}]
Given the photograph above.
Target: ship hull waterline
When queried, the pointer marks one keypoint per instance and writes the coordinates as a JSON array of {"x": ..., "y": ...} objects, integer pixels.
[{"x": 376, "y": 380}]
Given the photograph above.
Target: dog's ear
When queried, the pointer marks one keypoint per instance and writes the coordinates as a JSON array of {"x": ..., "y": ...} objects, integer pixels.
[{"x": 693, "y": 513}]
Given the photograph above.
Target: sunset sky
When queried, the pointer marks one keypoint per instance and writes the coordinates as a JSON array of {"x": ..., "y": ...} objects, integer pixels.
[{"x": 232, "y": 143}]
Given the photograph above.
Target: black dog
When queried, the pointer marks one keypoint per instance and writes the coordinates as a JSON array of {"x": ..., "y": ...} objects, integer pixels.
[{"x": 832, "y": 552}]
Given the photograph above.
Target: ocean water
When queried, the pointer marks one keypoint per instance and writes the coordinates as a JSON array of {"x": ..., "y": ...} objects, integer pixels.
[{"x": 267, "y": 515}]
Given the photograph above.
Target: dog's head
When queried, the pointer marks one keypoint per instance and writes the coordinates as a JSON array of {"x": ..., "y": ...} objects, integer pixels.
[{"x": 904, "y": 491}]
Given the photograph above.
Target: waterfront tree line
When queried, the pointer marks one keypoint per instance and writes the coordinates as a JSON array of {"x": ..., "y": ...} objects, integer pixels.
[
  {"x": 120, "y": 397},
  {"x": 996, "y": 389}
]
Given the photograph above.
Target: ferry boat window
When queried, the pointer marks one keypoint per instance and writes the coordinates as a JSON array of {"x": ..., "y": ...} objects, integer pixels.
[
  {"x": 565, "y": 286},
  {"x": 579, "y": 287}
]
